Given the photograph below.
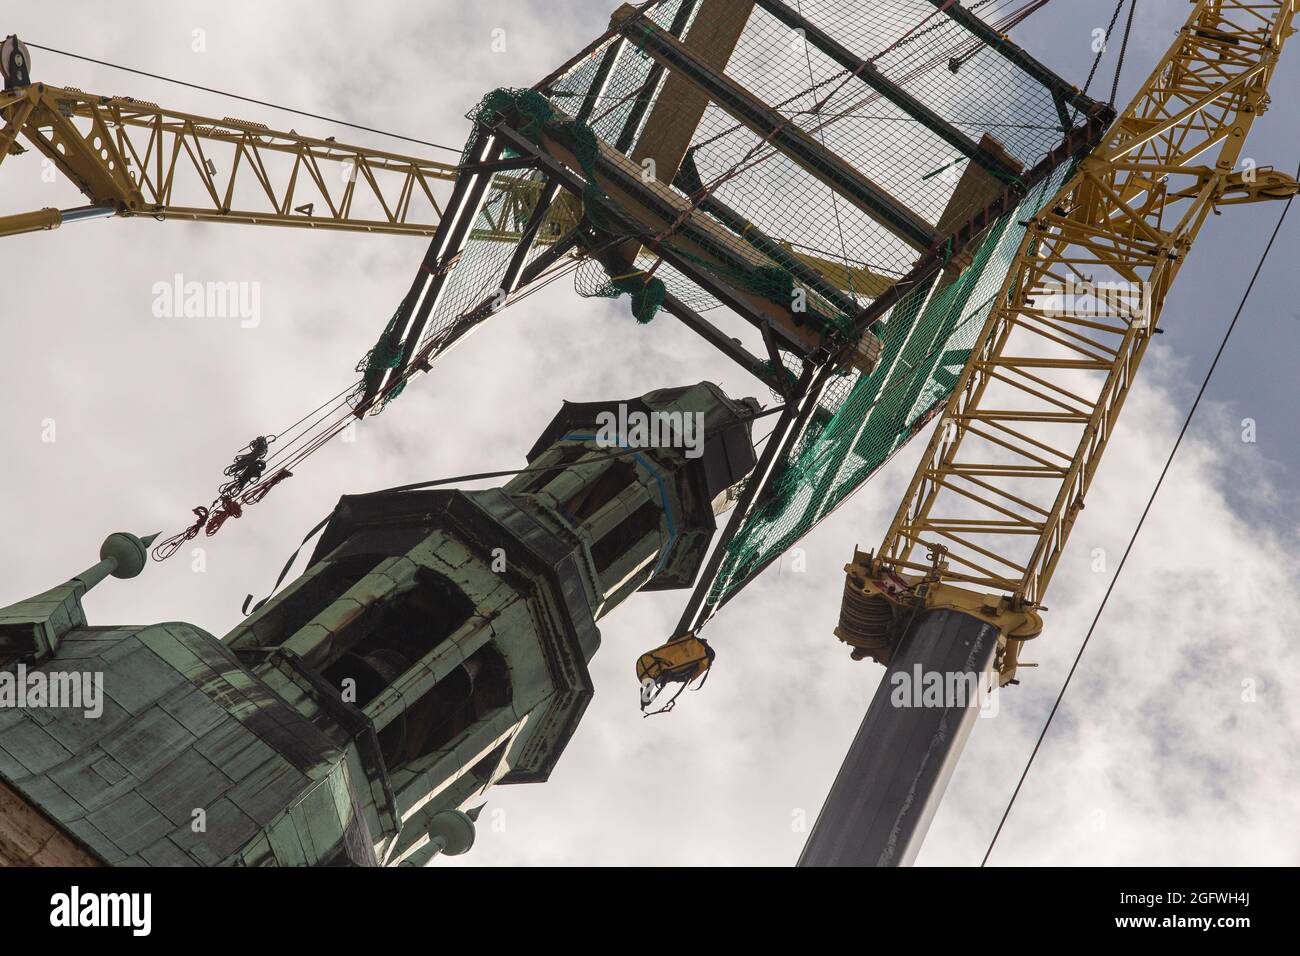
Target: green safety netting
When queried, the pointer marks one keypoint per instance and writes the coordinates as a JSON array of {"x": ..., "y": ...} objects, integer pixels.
[
  {"x": 758, "y": 275},
  {"x": 375, "y": 364},
  {"x": 860, "y": 423}
]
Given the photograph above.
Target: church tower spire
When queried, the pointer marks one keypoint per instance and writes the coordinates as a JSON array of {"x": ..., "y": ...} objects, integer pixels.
[{"x": 436, "y": 644}]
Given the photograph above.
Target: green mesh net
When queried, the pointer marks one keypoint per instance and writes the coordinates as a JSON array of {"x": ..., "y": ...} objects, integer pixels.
[
  {"x": 860, "y": 423},
  {"x": 386, "y": 354},
  {"x": 647, "y": 296},
  {"x": 783, "y": 372},
  {"x": 535, "y": 108}
]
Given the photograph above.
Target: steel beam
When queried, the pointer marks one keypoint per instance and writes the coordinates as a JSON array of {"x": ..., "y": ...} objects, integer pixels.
[
  {"x": 676, "y": 112},
  {"x": 681, "y": 104},
  {"x": 462, "y": 208},
  {"x": 478, "y": 174},
  {"x": 887, "y": 88},
  {"x": 752, "y": 308},
  {"x": 438, "y": 266},
  {"x": 627, "y": 136},
  {"x": 1061, "y": 90},
  {"x": 798, "y": 408},
  {"x": 600, "y": 82},
  {"x": 692, "y": 319},
  {"x": 467, "y": 321},
  {"x": 723, "y": 343},
  {"x": 514, "y": 272},
  {"x": 778, "y": 130},
  {"x": 1080, "y": 139},
  {"x": 515, "y": 266},
  {"x": 710, "y": 243},
  {"x": 688, "y": 181}
]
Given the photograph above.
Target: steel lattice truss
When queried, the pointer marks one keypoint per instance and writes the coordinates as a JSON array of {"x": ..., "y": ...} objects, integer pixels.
[
  {"x": 1007, "y": 470},
  {"x": 136, "y": 158}
]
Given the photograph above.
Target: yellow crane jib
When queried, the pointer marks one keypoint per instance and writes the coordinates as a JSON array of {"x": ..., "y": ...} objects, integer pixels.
[
  {"x": 132, "y": 157},
  {"x": 1007, "y": 470}
]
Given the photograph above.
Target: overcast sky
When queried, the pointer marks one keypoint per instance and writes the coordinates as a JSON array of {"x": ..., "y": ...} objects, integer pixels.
[{"x": 1177, "y": 742}]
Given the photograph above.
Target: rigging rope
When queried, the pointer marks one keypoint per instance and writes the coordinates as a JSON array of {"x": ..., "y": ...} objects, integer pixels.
[
  {"x": 248, "y": 487},
  {"x": 835, "y": 196},
  {"x": 246, "y": 99},
  {"x": 1137, "y": 530}
]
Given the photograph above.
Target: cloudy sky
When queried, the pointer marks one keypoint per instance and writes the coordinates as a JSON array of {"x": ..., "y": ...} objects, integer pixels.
[{"x": 1177, "y": 742}]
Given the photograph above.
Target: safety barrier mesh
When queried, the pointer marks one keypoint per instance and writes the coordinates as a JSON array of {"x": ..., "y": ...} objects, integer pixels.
[{"x": 863, "y": 420}]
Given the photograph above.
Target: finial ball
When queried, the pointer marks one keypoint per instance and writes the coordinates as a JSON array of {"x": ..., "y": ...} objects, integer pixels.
[{"x": 127, "y": 550}]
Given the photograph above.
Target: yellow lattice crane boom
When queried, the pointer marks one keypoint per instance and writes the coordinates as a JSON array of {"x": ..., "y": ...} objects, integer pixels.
[
  {"x": 1007, "y": 470},
  {"x": 957, "y": 586},
  {"x": 131, "y": 157}
]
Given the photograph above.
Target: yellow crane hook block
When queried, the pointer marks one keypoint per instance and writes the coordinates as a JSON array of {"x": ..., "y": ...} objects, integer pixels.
[{"x": 681, "y": 660}]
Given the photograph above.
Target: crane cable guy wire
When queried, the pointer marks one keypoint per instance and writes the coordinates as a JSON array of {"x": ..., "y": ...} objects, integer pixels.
[
  {"x": 246, "y": 99},
  {"x": 1138, "y": 529},
  {"x": 335, "y": 416}
]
